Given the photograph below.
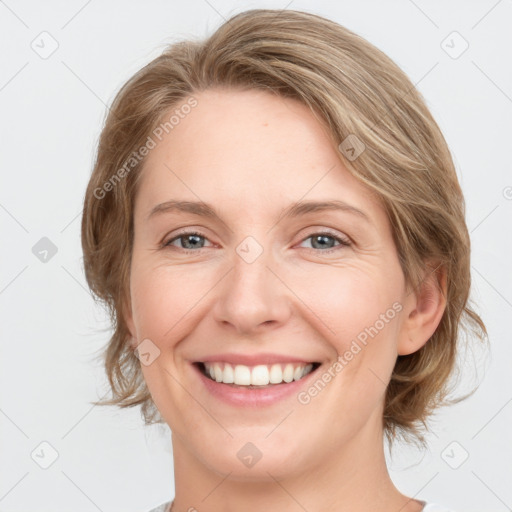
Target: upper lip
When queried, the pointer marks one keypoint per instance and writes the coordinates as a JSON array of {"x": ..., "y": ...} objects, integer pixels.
[{"x": 253, "y": 359}]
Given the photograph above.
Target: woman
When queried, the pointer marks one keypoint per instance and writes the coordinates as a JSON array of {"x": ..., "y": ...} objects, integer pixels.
[{"x": 275, "y": 222}]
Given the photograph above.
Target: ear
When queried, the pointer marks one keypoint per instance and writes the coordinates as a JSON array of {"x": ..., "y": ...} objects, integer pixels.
[{"x": 423, "y": 310}]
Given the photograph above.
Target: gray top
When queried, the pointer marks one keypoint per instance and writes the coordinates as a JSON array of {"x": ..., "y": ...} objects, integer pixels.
[
  {"x": 428, "y": 507},
  {"x": 164, "y": 507}
]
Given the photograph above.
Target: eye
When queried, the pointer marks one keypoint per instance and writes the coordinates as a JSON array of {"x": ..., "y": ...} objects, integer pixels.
[
  {"x": 324, "y": 242},
  {"x": 193, "y": 241},
  {"x": 190, "y": 241}
]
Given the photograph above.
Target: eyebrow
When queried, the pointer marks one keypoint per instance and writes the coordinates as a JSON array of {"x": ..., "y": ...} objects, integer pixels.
[{"x": 294, "y": 210}]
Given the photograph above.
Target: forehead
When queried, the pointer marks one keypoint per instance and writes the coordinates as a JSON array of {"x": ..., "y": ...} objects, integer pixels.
[{"x": 248, "y": 144}]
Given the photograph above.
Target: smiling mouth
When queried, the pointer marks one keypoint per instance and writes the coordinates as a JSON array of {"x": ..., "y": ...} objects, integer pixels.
[{"x": 259, "y": 376}]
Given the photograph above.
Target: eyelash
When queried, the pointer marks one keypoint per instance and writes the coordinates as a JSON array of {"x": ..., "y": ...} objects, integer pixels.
[{"x": 343, "y": 242}]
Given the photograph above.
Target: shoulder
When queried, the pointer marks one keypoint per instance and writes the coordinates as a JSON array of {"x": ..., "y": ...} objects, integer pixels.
[
  {"x": 162, "y": 508},
  {"x": 434, "y": 507}
]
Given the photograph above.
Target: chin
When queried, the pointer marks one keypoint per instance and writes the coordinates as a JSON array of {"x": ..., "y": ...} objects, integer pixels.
[{"x": 253, "y": 458}]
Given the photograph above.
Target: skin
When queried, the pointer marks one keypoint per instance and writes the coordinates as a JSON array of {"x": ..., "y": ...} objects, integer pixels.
[{"x": 251, "y": 154}]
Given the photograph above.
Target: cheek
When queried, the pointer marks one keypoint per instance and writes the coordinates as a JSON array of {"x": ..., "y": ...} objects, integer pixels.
[
  {"x": 163, "y": 299},
  {"x": 347, "y": 300},
  {"x": 358, "y": 312}
]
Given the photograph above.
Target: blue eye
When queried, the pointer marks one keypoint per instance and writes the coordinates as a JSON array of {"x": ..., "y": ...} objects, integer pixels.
[
  {"x": 192, "y": 241},
  {"x": 191, "y": 238},
  {"x": 321, "y": 240}
]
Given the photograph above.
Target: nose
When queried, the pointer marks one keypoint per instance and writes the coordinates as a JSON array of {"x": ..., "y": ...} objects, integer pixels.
[{"x": 252, "y": 298}]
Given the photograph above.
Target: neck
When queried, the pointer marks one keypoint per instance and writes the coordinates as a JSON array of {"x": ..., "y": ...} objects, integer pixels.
[{"x": 354, "y": 479}]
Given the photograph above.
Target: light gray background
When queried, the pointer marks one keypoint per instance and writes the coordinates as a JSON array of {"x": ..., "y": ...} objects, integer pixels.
[{"x": 51, "y": 114}]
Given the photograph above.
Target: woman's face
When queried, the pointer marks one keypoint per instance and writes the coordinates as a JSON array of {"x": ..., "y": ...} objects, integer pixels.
[{"x": 262, "y": 285}]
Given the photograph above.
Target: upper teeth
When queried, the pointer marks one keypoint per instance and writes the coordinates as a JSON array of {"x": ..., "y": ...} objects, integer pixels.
[{"x": 259, "y": 375}]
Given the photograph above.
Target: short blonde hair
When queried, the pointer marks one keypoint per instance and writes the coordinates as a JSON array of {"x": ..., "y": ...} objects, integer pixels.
[{"x": 354, "y": 89}]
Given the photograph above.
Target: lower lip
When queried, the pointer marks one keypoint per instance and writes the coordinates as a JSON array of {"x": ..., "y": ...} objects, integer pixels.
[{"x": 252, "y": 397}]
